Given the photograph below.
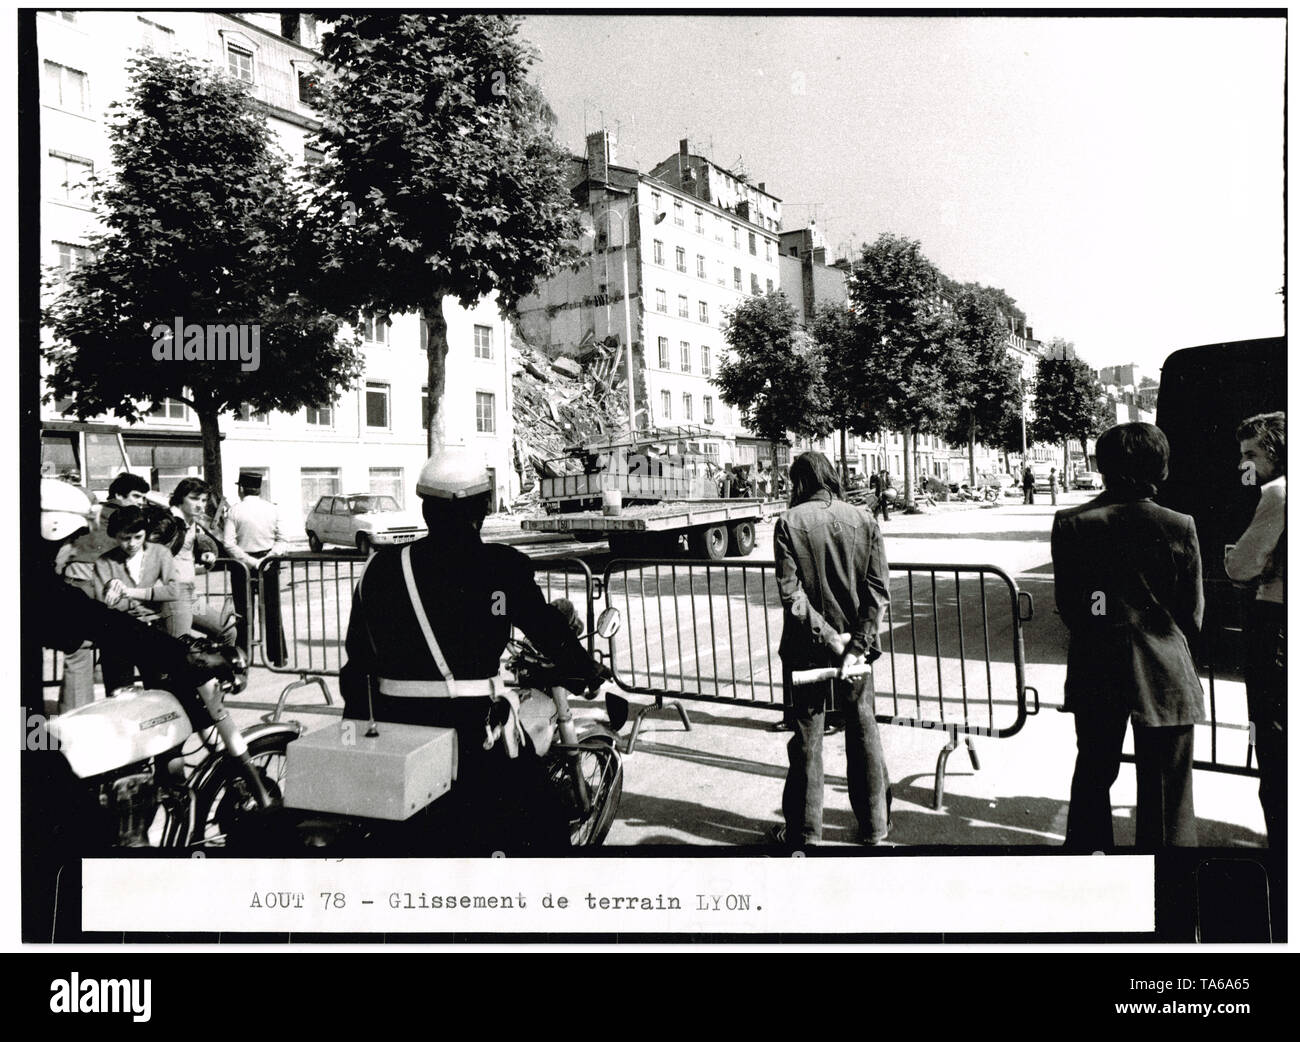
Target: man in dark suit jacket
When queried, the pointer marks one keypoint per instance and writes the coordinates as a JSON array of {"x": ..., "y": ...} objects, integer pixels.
[{"x": 1128, "y": 587}]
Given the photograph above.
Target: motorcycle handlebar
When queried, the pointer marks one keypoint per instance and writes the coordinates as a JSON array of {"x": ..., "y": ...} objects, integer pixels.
[{"x": 815, "y": 676}]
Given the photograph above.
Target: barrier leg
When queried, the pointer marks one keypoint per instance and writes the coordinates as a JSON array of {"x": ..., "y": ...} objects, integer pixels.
[
  {"x": 658, "y": 706},
  {"x": 974, "y": 756},
  {"x": 940, "y": 768},
  {"x": 303, "y": 681}
]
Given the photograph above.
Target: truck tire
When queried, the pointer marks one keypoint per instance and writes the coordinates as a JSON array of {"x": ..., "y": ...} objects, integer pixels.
[
  {"x": 710, "y": 542},
  {"x": 742, "y": 538}
]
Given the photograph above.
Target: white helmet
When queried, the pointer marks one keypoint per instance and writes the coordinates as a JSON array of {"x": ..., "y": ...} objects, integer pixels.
[
  {"x": 65, "y": 508},
  {"x": 453, "y": 474}
]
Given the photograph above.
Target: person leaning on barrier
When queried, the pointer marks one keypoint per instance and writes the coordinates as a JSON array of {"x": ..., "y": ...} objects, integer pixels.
[
  {"x": 252, "y": 532},
  {"x": 834, "y": 585},
  {"x": 424, "y": 645},
  {"x": 1258, "y": 560},
  {"x": 1128, "y": 587}
]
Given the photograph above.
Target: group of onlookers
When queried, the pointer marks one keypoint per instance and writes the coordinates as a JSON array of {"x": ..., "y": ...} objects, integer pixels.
[{"x": 144, "y": 559}]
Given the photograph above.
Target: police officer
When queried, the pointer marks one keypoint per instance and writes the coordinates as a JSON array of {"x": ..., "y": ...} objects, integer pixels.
[{"x": 425, "y": 639}]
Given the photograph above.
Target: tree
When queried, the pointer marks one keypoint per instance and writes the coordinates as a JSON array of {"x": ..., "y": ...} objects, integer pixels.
[
  {"x": 901, "y": 363},
  {"x": 833, "y": 330},
  {"x": 986, "y": 380},
  {"x": 441, "y": 177},
  {"x": 1066, "y": 395},
  {"x": 773, "y": 371},
  {"x": 194, "y": 291}
]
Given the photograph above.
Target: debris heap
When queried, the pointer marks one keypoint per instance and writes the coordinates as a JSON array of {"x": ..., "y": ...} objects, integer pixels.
[{"x": 563, "y": 401}]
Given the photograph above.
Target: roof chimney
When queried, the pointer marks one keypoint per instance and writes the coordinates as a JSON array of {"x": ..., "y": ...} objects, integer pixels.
[
  {"x": 684, "y": 149},
  {"x": 762, "y": 186}
]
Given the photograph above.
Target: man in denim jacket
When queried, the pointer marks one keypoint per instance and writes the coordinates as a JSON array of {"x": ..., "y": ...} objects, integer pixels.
[{"x": 834, "y": 585}]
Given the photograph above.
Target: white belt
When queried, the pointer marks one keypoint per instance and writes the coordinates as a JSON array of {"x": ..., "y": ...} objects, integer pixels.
[{"x": 491, "y": 687}]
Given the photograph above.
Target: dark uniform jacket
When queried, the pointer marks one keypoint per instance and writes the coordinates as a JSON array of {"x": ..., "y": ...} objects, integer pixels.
[
  {"x": 833, "y": 578},
  {"x": 1128, "y": 587},
  {"x": 472, "y": 596}
]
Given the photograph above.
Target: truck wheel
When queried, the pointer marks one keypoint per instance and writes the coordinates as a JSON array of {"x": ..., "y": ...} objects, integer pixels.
[
  {"x": 742, "y": 538},
  {"x": 709, "y": 542}
]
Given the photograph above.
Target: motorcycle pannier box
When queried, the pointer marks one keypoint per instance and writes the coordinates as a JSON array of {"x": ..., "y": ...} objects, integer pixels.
[{"x": 339, "y": 770}]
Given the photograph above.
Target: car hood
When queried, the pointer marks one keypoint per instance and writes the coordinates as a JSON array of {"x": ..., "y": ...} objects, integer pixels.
[{"x": 399, "y": 519}]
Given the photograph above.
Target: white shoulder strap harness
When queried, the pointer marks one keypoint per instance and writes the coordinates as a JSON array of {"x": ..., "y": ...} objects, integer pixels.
[{"x": 511, "y": 731}]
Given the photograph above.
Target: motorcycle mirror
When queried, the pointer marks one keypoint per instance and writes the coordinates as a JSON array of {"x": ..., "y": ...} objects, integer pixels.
[{"x": 609, "y": 623}]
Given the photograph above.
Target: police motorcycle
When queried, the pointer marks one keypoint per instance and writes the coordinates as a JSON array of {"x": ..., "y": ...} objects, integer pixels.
[
  {"x": 154, "y": 768},
  {"x": 357, "y": 787}
]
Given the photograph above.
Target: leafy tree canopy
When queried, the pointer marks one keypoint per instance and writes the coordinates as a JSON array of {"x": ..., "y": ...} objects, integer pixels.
[
  {"x": 1066, "y": 397},
  {"x": 773, "y": 372}
]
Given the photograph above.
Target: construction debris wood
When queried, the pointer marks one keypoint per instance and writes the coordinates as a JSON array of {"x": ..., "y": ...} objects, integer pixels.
[{"x": 560, "y": 402}]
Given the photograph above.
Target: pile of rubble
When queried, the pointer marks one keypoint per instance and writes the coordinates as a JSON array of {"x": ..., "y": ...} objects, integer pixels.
[{"x": 560, "y": 402}]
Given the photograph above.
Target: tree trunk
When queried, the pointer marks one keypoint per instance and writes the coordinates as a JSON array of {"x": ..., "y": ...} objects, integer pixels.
[
  {"x": 844, "y": 457},
  {"x": 435, "y": 323},
  {"x": 970, "y": 452},
  {"x": 210, "y": 431},
  {"x": 776, "y": 469},
  {"x": 907, "y": 467},
  {"x": 1065, "y": 466}
]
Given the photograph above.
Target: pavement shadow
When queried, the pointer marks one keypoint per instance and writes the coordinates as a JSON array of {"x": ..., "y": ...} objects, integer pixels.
[{"x": 711, "y": 824}]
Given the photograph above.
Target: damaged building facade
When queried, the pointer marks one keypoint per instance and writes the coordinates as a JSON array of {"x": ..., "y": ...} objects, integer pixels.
[{"x": 669, "y": 254}]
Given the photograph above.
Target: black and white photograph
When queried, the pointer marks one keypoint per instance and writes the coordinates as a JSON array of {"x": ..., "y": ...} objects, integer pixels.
[{"x": 720, "y": 477}]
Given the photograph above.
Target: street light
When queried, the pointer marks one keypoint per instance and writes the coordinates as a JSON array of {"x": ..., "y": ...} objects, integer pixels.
[{"x": 627, "y": 309}]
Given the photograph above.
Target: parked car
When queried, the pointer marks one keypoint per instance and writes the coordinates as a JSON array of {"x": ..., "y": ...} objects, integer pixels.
[
  {"x": 1089, "y": 479},
  {"x": 363, "y": 520},
  {"x": 1043, "y": 477}
]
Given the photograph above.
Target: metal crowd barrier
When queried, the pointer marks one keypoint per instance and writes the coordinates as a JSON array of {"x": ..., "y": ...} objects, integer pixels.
[
  {"x": 306, "y": 602},
  {"x": 952, "y": 644}
]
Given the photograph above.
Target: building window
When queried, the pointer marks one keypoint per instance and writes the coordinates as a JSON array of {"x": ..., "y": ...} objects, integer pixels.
[
  {"x": 753, "y": 283},
  {"x": 688, "y": 407},
  {"x": 387, "y": 481},
  {"x": 769, "y": 285},
  {"x": 699, "y": 222},
  {"x": 717, "y": 228},
  {"x": 735, "y": 277},
  {"x": 661, "y": 301},
  {"x": 320, "y": 416},
  {"x": 735, "y": 236},
  {"x": 318, "y": 482},
  {"x": 708, "y": 408},
  {"x": 377, "y": 406},
  {"x": 66, "y": 88},
  {"x": 663, "y": 353},
  {"x": 68, "y": 178},
  {"x": 72, "y": 256},
  {"x": 666, "y": 404},
  {"x": 767, "y": 248},
  {"x": 677, "y": 214},
  {"x": 659, "y": 252},
  {"x": 240, "y": 62},
  {"x": 686, "y": 356},
  {"x": 704, "y": 311},
  {"x": 485, "y": 412},
  {"x": 706, "y": 363},
  {"x": 168, "y": 409},
  {"x": 699, "y": 266},
  {"x": 157, "y": 37},
  {"x": 753, "y": 245},
  {"x": 681, "y": 259},
  {"x": 245, "y": 414},
  {"x": 483, "y": 342},
  {"x": 307, "y": 90},
  {"x": 683, "y": 307},
  {"x": 375, "y": 330},
  {"x": 656, "y": 203}
]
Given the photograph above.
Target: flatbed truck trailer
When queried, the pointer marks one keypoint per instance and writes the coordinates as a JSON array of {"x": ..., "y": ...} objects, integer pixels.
[{"x": 712, "y": 528}]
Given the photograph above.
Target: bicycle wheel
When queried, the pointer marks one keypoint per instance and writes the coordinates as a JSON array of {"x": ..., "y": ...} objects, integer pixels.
[
  {"x": 601, "y": 767},
  {"x": 224, "y": 803}
]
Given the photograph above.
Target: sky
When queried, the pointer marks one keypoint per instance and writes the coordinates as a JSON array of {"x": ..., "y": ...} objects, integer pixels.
[{"x": 1120, "y": 178}]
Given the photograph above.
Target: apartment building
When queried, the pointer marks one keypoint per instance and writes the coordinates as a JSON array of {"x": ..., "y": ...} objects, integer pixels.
[
  {"x": 692, "y": 248},
  {"x": 373, "y": 438}
]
